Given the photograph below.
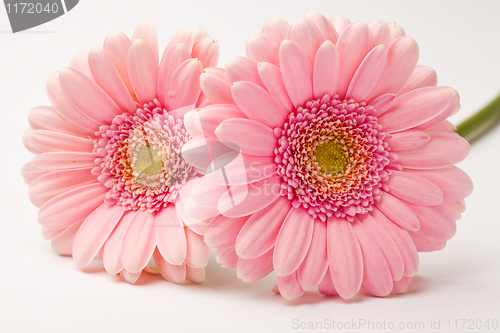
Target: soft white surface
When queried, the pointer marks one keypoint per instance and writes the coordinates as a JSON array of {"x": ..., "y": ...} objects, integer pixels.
[{"x": 41, "y": 291}]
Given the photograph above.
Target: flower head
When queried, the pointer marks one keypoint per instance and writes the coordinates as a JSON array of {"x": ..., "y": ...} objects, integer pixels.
[
  {"x": 347, "y": 155},
  {"x": 107, "y": 173}
]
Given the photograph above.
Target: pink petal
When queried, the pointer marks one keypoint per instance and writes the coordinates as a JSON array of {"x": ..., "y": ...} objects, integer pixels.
[
  {"x": 198, "y": 252},
  {"x": 401, "y": 286},
  {"x": 226, "y": 256},
  {"x": 408, "y": 140},
  {"x": 146, "y": 31},
  {"x": 246, "y": 133},
  {"x": 414, "y": 189},
  {"x": 251, "y": 270},
  {"x": 207, "y": 50},
  {"x": 326, "y": 70},
  {"x": 80, "y": 61},
  {"x": 223, "y": 231},
  {"x": 368, "y": 75},
  {"x": 340, "y": 23},
  {"x": 94, "y": 231},
  {"x": 188, "y": 36},
  {"x": 377, "y": 279},
  {"x": 289, "y": 286},
  {"x": 325, "y": 27},
  {"x": 187, "y": 189},
  {"x": 344, "y": 257},
  {"x": 130, "y": 277},
  {"x": 207, "y": 193},
  {"x": 139, "y": 242},
  {"x": 195, "y": 275},
  {"x": 291, "y": 250},
  {"x": 31, "y": 173},
  {"x": 315, "y": 264},
  {"x": 196, "y": 152},
  {"x": 202, "y": 101},
  {"x": 425, "y": 244},
  {"x": 29, "y": 143},
  {"x": 455, "y": 208},
  {"x": 242, "y": 200},
  {"x": 326, "y": 287},
  {"x": 107, "y": 77},
  {"x": 184, "y": 86},
  {"x": 453, "y": 182},
  {"x": 444, "y": 126},
  {"x": 397, "y": 212},
  {"x": 354, "y": 44},
  {"x": 297, "y": 73},
  {"x": 402, "y": 59},
  {"x": 113, "y": 247},
  {"x": 52, "y": 184},
  {"x": 46, "y": 118},
  {"x": 172, "y": 58},
  {"x": 63, "y": 243},
  {"x": 64, "y": 160},
  {"x": 216, "y": 86},
  {"x": 210, "y": 117},
  {"x": 257, "y": 104},
  {"x": 415, "y": 108},
  {"x": 276, "y": 28},
  {"x": 381, "y": 33},
  {"x": 71, "y": 207},
  {"x": 396, "y": 31},
  {"x": 116, "y": 47},
  {"x": 383, "y": 103},
  {"x": 254, "y": 168},
  {"x": 243, "y": 69},
  {"x": 170, "y": 236},
  {"x": 47, "y": 141},
  {"x": 192, "y": 123},
  {"x": 307, "y": 35},
  {"x": 441, "y": 151},
  {"x": 422, "y": 76},
  {"x": 64, "y": 108},
  {"x": 87, "y": 96},
  {"x": 271, "y": 77},
  {"x": 198, "y": 212},
  {"x": 402, "y": 240},
  {"x": 142, "y": 65},
  {"x": 210, "y": 156},
  {"x": 386, "y": 244},
  {"x": 263, "y": 48},
  {"x": 172, "y": 273},
  {"x": 260, "y": 232},
  {"x": 450, "y": 110},
  {"x": 436, "y": 223}
]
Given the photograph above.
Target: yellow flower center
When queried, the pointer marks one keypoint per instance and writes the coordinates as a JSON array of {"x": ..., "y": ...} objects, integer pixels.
[
  {"x": 331, "y": 157},
  {"x": 148, "y": 167}
]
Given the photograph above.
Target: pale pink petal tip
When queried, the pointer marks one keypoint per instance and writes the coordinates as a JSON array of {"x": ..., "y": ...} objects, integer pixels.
[{"x": 401, "y": 286}]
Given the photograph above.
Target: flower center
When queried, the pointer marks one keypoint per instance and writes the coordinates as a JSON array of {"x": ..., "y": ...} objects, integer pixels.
[
  {"x": 332, "y": 157},
  {"x": 148, "y": 167},
  {"x": 140, "y": 158}
]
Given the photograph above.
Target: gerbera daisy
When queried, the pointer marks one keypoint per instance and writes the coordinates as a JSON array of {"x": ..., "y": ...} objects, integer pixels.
[
  {"x": 107, "y": 172},
  {"x": 348, "y": 156}
]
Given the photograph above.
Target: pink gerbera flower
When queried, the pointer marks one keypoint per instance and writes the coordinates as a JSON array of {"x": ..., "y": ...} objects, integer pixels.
[
  {"x": 108, "y": 175},
  {"x": 348, "y": 158}
]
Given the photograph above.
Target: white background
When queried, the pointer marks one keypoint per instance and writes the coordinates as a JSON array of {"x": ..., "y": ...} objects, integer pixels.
[{"x": 41, "y": 291}]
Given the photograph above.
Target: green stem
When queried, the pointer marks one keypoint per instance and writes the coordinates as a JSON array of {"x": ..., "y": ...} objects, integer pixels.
[{"x": 481, "y": 122}]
